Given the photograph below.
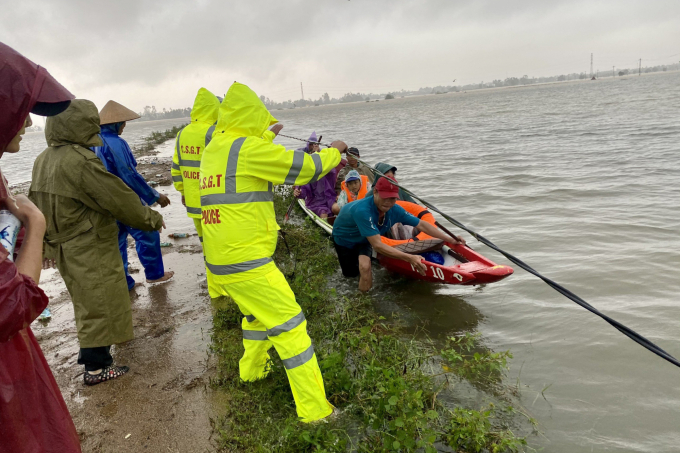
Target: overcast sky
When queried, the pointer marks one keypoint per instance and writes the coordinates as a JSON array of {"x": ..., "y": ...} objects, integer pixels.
[{"x": 151, "y": 52}]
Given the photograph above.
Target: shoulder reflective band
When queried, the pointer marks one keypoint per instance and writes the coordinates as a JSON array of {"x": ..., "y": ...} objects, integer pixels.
[
  {"x": 299, "y": 359},
  {"x": 179, "y": 156},
  {"x": 228, "y": 269},
  {"x": 287, "y": 326},
  {"x": 296, "y": 166},
  {"x": 232, "y": 163}
]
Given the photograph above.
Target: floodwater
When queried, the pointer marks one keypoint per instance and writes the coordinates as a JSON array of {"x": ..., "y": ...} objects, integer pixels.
[
  {"x": 581, "y": 181},
  {"x": 17, "y": 167}
]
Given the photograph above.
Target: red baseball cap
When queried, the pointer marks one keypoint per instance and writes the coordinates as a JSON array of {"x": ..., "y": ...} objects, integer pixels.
[{"x": 386, "y": 189}]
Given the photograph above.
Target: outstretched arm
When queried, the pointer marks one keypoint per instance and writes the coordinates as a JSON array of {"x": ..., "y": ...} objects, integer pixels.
[
  {"x": 112, "y": 195},
  {"x": 439, "y": 234},
  {"x": 280, "y": 166},
  {"x": 415, "y": 260},
  {"x": 21, "y": 301},
  {"x": 125, "y": 165}
]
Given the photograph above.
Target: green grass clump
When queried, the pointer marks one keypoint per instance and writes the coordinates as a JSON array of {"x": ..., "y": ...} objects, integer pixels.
[
  {"x": 381, "y": 381},
  {"x": 156, "y": 138}
]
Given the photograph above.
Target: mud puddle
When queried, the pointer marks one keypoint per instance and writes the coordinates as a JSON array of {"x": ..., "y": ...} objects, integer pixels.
[{"x": 164, "y": 404}]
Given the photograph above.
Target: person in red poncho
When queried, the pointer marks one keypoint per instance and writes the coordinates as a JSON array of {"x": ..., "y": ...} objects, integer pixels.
[{"x": 33, "y": 415}]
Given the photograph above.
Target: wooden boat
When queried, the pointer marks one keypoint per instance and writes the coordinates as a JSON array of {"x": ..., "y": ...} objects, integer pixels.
[{"x": 461, "y": 265}]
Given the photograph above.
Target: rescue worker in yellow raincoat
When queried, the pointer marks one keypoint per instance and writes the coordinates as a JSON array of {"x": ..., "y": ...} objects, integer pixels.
[
  {"x": 189, "y": 146},
  {"x": 238, "y": 170}
]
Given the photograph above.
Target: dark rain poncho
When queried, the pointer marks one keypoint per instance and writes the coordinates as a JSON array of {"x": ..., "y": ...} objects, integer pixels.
[{"x": 81, "y": 202}]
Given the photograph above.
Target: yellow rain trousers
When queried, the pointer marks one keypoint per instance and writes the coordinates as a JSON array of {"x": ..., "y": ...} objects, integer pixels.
[
  {"x": 199, "y": 230},
  {"x": 189, "y": 146},
  {"x": 238, "y": 170}
]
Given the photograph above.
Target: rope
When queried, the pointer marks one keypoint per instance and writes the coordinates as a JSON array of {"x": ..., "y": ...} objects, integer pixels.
[{"x": 627, "y": 331}]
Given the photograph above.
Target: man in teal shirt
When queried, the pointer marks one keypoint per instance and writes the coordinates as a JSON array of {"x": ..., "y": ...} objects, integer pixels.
[{"x": 358, "y": 227}]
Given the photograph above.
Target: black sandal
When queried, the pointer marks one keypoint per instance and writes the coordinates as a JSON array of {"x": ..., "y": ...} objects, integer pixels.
[{"x": 107, "y": 374}]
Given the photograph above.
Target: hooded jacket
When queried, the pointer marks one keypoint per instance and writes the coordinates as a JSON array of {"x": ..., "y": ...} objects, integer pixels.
[
  {"x": 117, "y": 157},
  {"x": 320, "y": 195},
  {"x": 25, "y": 87},
  {"x": 190, "y": 143},
  {"x": 81, "y": 202},
  {"x": 383, "y": 168},
  {"x": 238, "y": 170}
]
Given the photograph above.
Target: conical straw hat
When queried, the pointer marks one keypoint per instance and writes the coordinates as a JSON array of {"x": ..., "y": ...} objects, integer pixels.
[{"x": 113, "y": 112}]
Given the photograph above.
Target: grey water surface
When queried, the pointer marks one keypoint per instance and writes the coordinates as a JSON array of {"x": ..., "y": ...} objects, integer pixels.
[
  {"x": 17, "y": 167},
  {"x": 582, "y": 181}
]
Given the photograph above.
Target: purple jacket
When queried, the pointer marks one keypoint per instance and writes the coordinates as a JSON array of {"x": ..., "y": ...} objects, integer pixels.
[{"x": 319, "y": 196}]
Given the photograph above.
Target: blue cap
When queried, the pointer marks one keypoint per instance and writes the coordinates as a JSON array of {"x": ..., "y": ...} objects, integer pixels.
[{"x": 353, "y": 175}]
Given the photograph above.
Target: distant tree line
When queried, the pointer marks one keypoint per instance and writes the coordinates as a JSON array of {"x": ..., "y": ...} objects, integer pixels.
[
  {"x": 150, "y": 112},
  {"x": 442, "y": 89}
]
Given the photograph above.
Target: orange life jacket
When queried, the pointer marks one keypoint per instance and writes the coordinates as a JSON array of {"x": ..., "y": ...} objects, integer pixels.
[
  {"x": 362, "y": 191},
  {"x": 415, "y": 210}
]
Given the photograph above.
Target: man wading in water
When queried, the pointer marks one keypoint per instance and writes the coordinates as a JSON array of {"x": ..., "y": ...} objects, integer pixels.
[{"x": 358, "y": 228}]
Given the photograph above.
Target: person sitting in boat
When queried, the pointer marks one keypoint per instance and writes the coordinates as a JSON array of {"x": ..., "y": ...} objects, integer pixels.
[
  {"x": 353, "y": 164},
  {"x": 354, "y": 187},
  {"x": 390, "y": 171},
  {"x": 319, "y": 195},
  {"x": 359, "y": 226}
]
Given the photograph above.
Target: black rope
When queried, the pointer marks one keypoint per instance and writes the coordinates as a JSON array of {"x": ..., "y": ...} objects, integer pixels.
[{"x": 627, "y": 331}]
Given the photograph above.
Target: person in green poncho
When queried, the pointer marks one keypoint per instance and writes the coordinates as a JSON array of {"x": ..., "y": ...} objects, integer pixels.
[{"x": 81, "y": 202}]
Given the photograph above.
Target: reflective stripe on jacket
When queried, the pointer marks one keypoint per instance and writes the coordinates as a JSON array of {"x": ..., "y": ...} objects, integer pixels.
[
  {"x": 362, "y": 192},
  {"x": 238, "y": 170},
  {"x": 189, "y": 146}
]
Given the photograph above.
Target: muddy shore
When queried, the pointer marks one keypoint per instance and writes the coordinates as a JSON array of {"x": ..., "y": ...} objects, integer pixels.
[{"x": 164, "y": 404}]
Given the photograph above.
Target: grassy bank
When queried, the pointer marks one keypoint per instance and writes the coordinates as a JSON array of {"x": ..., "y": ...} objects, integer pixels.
[
  {"x": 384, "y": 383},
  {"x": 156, "y": 138}
]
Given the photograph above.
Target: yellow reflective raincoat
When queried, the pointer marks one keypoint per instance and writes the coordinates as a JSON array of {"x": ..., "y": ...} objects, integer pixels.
[
  {"x": 189, "y": 146},
  {"x": 238, "y": 170}
]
